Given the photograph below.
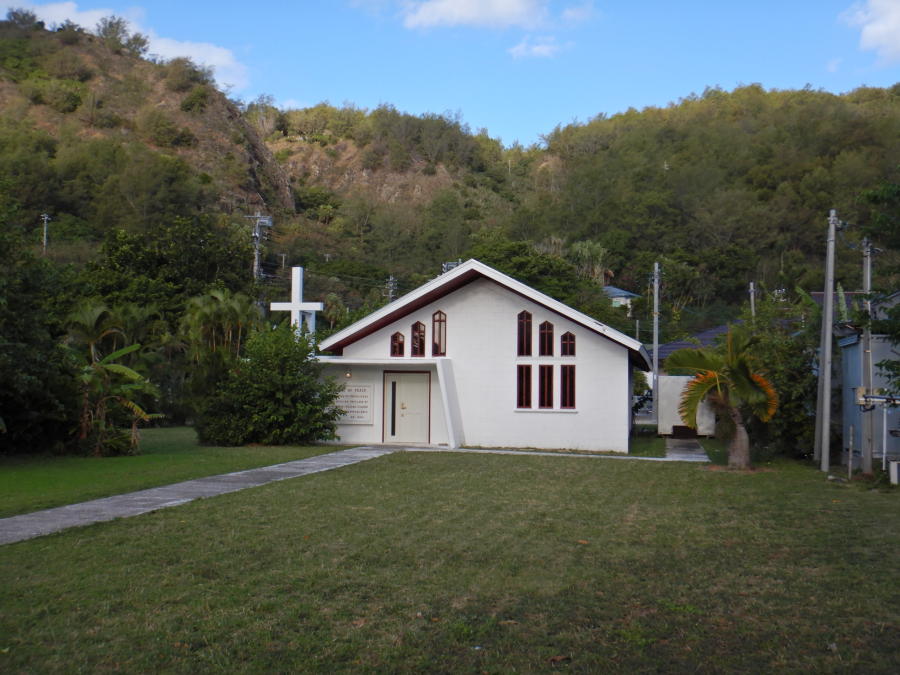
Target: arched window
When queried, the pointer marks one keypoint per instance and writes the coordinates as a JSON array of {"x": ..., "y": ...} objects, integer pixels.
[
  {"x": 439, "y": 334},
  {"x": 545, "y": 342},
  {"x": 418, "y": 339},
  {"x": 397, "y": 344},
  {"x": 567, "y": 345},
  {"x": 524, "y": 341}
]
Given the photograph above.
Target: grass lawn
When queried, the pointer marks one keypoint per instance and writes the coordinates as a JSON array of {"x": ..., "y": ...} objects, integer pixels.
[
  {"x": 473, "y": 563},
  {"x": 171, "y": 455},
  {"x": 645, "y": 443}
]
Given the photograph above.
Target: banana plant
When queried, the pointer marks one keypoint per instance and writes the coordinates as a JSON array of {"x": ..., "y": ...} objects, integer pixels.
[{"x": 109, "y": 392}]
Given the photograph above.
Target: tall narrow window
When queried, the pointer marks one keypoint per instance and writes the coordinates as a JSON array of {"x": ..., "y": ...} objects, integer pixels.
[
  {"x": 545, "y": 387},
  {"x": 523, "y": 386},
  {"x": 439, "y": 334},
  {"x": 417, "y": 348},
  {"x": 397, "y": 344},
  {"x": 545, "y": 339},
  {"x": 524, "y": 343},
  {"x": 567, "y": 387},
  {"x": 567, "y": 345}
]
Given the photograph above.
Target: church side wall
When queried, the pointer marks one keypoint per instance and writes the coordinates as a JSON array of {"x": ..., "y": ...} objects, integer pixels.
[{"x": 481, "y": 342}]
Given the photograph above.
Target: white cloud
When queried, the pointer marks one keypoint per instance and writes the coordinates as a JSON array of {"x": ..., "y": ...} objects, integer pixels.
[
  {"x": 229, "y": 72},
  {"x": 833, "y": 65},
  {"x": 880, "y": 22},
  {"x": 543, "y": 47},
  {"x": 479, "y": 13},
  {"x": 578, "y": 13}
]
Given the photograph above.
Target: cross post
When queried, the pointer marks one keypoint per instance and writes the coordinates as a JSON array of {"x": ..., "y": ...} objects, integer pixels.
[{"x": 300, "y": 311}]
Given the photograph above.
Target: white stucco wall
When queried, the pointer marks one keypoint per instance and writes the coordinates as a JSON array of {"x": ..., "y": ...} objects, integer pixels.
[
  {"x": 670, "y": 388},
  {"x": 373, "y": 374},
  {"x": 481, "y": 348}
]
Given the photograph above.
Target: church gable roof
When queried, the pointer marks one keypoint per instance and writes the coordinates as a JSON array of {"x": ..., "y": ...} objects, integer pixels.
[{"x": 455, "y": 279}]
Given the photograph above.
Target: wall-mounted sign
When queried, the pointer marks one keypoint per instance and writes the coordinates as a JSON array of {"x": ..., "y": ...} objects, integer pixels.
[{"x": 356, "y": 401}]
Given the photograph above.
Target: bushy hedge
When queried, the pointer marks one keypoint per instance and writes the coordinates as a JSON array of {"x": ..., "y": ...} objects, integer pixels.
[{"x": 275, "y": 395}]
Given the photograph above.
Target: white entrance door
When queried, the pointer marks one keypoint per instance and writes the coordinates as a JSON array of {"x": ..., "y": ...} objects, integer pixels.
[{"x": 406, "y": 407}]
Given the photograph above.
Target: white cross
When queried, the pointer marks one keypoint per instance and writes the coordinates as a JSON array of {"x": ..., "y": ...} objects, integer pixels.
[{"x": 300, "y": 311}]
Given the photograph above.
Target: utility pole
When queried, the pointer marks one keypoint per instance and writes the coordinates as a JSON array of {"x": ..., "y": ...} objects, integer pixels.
[
  {"x": 259, "y": 221},
  {"x": 823, "y": 408},
  {"x": 656, "y": 343},
  {"x": 390, "y": 288},
  {"x": 46, "y": 220},
  {"x": 868, "y": 440},
  {"x": 752, "y": 300}
]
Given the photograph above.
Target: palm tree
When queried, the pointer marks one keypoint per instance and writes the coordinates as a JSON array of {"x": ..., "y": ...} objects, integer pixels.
[
  {"x": 219, "y": 320},
  {"x": 728, "y": 377},
  {"x": 92, "y": 330}
]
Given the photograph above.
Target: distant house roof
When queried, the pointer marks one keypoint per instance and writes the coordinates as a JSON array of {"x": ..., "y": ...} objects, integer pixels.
[
  {"x": 853, "y": 300},
  {"x": 704, "y": 339},
  {"x": 614, "y": 292},
  {"x": 458, "y": 277}
]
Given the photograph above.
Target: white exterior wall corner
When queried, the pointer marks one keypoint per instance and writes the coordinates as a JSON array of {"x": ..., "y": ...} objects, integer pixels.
[
  {"x": 476, "y": 383},
  {"x": 668, "y": 417}
]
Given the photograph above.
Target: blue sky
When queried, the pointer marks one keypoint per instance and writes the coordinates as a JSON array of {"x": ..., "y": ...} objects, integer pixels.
[{"x": 515, "y": 67}]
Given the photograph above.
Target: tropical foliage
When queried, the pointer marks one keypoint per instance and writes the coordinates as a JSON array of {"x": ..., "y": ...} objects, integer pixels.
[
  {"x": 729, "y": 378},
  {"x": 111, "y": 392},
  {"x": 38, "y": 396},
  {"x": 274, "y": 395},
  {"x": 147, "y": 172}
]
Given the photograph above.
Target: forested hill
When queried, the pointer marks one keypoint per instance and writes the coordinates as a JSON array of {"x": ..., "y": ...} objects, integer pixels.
[{"x": 722, "y": 188}]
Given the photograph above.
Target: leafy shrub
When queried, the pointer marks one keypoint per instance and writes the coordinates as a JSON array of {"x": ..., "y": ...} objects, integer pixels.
[
  {"x": 197, "y": 99},
  {"x": 113, "y": 31},
  {"x": 24, "y": 19},
  {"x": 62, "y": 95},
  {"x": 16, "y": 58},
  {"x": 182, "y": 74},
  {"x": 156, "y": 126},
  {"x": 69, "y": 32},
  {"x": 68, "y": 66},
  {"x": 275, "y": 396}
]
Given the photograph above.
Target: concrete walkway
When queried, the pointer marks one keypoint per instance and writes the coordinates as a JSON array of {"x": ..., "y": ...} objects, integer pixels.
[
  {"x": 38, "y": 523},
  {"x": 29, "y": 525},
  {"x": 685, "y": 450}
]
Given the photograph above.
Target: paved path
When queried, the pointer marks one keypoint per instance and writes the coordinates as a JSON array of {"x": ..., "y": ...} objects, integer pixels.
[
  {"x": 685, "y": 450},
  {"x": 38, "y": 523},
  {"x": 19, "y": 528}
]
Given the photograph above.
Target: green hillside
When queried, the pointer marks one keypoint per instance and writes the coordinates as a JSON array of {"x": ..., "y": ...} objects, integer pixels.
[{"x": 723, "y": 188}]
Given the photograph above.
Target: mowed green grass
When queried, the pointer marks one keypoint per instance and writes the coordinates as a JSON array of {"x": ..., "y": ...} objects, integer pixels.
[
  {"x": 473, "y": 563},
  {"x": 29, "y": 483}
]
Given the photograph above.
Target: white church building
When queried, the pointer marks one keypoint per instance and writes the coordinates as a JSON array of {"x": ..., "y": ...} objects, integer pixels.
[{"x": 476, "y": 358}]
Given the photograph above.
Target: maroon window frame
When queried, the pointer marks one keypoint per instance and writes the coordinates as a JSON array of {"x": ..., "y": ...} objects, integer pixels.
[
  {"x": 417, "y": 346},
  {"x": 545, "y": 339},
  {"x": 397, "y": 344},
  {"x": 523, "y": 386},
  {"x": 567, "y": 386},
  {"x": 567, "y": 344},
  {"x": 545, "y": 387},
  {"x": 439, "y": 334},
  {"x": 524, "y": 335}
]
